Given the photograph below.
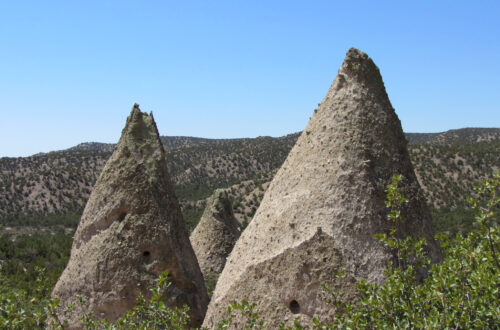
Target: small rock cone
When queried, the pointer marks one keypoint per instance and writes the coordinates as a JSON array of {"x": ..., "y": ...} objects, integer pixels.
[
  {"x": 325, "y": 205},
  {"x": 215, "y": 235},
  {"x": 131, "y": 230}
]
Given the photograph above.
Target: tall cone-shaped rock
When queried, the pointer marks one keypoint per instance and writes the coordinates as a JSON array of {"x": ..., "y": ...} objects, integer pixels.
[
  {"x": 325, "y": 205},
  {"x": 215, "y": 235},
  {"x": 131, "y": 230}
]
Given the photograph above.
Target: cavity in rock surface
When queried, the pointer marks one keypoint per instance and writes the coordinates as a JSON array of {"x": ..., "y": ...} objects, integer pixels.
[
  {"x": 131, "y": 230},
  {"x": 325, "y": 205}
]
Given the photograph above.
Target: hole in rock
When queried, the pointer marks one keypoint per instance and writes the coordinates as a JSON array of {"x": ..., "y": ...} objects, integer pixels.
[
  {"x": 122, "y": 216},
  {"x": 146, "y": 253},
  {"x": 294, "y": 307}
]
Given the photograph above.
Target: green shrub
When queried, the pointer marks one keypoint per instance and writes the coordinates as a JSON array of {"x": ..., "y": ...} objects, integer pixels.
[
  {"x": 152, "y": 314},
  {"x": 461, "y": 292}
]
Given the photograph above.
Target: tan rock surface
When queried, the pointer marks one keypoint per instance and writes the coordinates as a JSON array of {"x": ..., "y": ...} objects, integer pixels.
[
  {"x": 334, "y": 179},
  {"x": 130, "y": 231},
  {"x": 215, "y": 235}
]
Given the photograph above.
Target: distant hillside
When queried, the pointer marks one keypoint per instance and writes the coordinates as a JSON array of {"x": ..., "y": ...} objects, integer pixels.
[
  {"x": 447, "y": 164},
  {"x": 93, "y": 146},
  {"x": 199, "y": 169},
  {"x": 169, "y": 143},
  {"x": 455, "y": 136},
  {"x": 48, "y": 183}
]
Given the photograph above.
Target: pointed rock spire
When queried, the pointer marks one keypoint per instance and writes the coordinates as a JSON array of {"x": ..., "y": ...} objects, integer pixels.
[
  {"x": 324, "y": 206},
  {"x": 131, "y": 230},
  {"x": 215, "y": 235}
]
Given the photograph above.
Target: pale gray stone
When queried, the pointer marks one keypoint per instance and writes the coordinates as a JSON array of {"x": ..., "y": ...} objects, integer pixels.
[
  {"x": 131, "y": 230},
  {"x": 325, "y": 205},
  {"x": 215, "y": 235}
]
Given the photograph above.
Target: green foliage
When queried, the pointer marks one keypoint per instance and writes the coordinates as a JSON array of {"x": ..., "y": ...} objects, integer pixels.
[
  {"x": 18, "y": 311},
  {"x": 191, "y": 217},
  {"x": 452, "y": 221},
  {"x": 21, "y": 311},
  {"x": 152, "y": 314},
  {"x": 461, "y": 292},
  {"x": 68, "y": 220},
  {"x": 23, "y": 257},
  {"x": 243, "y": 316},
  {"x": 210, "y": 282},
  {"x": 408, "y": 251},
  {"x": 31, "y": 266}
]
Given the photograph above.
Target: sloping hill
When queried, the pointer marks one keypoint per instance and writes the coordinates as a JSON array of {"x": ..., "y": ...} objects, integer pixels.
[
  {"x": 55, "y": 182},
  {"x": 447, "y": 164},
  {"x": 455, "y": 136}
]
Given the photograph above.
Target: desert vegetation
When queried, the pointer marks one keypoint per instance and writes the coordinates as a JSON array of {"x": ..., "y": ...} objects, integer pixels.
[
  {"x": 51, "y": 189},
  {"x": 459, "y": 292}
]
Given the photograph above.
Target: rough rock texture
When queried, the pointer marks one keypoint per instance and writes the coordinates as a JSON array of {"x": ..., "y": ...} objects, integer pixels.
[
  {"x": 324, "y": 206},
  {"x": 215, "y": 235},
  {"x": 130, "y": 231}
]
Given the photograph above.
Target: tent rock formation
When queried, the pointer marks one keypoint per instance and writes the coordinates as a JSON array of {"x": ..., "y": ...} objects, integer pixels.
[
  {"x": 131, "y": 230},
  {"x": 324, "y": 206},
  {"x": 215, "y": 235}
]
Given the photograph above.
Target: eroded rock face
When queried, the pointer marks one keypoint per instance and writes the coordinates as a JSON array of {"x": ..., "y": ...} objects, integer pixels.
[
  {"x": 334, "y": 179},
  {"x": 130, "y": 231},
  {"x": 215, "y": 235}
]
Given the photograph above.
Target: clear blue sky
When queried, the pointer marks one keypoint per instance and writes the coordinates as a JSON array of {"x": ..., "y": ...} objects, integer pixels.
[{"x": 70, "y": 71}]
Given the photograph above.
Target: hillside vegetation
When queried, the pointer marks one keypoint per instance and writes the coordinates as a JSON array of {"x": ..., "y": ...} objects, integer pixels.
[
  {"x": 57, "y": 182},
  {"x": 53, "y": 188}
]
